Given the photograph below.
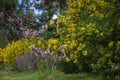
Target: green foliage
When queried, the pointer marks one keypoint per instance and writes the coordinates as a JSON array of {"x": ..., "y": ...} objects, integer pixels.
[
  {"x": 7, "y": 6},
  {"x": 67, "y": 67},
  {"x": 43, "y": 71}
]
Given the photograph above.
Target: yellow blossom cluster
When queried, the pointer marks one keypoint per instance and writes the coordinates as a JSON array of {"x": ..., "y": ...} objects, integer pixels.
[
  {"x": 52, "y": 23},
  {"x": 53, "y": 44}
]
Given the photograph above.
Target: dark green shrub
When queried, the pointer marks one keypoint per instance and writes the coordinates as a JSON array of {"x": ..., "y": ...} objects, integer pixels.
[{"x": 67, "y": 67}]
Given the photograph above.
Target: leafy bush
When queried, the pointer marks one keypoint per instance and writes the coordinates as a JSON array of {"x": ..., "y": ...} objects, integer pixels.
[{"x": 67, "y": 67}]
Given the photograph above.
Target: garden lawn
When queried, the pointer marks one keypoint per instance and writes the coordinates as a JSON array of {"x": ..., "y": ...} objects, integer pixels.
[{"x": 55, "y": 75}]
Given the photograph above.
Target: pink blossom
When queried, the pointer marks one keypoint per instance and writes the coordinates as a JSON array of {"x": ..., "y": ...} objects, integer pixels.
[
  {"x": 47, "y": 51},
  {"x": 42, "y": 1},
  {"x": 63, "y": 54},
  {"x": 26, "y": 33},
  {"x": 35, "y": 33},
  {"x": 62, "y": 48},
  {"x": 29, "y": 32},
  {"x": 40, "y": 31},
  {"x": 44, "y": 26},
  {"x": 36, "y": 51},
  {"x": 1, "y": 15},
  {"x": 22, "y": 28},
  {"x": 55, "y": 3},
  {"x": 10, "y": 20},
  {"x": 19, "y": 21}
]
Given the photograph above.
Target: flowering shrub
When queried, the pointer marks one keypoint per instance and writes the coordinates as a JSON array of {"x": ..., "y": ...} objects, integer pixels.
[
  {"x": 19, "y": 47},
  {"x": 91, "y": 35}
]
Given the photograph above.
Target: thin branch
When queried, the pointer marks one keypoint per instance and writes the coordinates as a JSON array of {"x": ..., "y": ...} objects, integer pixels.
[{"x": 57, "y": 27}]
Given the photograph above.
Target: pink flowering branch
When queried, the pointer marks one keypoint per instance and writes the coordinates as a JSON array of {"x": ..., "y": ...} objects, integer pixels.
[
  {"x": 44, "y": 54},
  {"x": 26, "y": 32},
  {"x": 36, "y": 51},
  {"x": 62, "y": 50},
  {"x": 39, "y": 52}
]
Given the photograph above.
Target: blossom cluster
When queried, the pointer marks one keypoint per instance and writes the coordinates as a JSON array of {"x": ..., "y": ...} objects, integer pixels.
[
  {"x": 19, "y": 21},
  {"x": 54, "y": 3},
  {"x": 10, "y": 20},
  {"x": 1, "y": 15},
  {"x": 38, "y": 51},
  {"x": 26, "y": 32}
]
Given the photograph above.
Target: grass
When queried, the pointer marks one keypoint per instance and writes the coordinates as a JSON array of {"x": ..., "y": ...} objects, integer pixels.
[
  {"x": 18, "y": 76},
  {"x": 54, "y": 75}
]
